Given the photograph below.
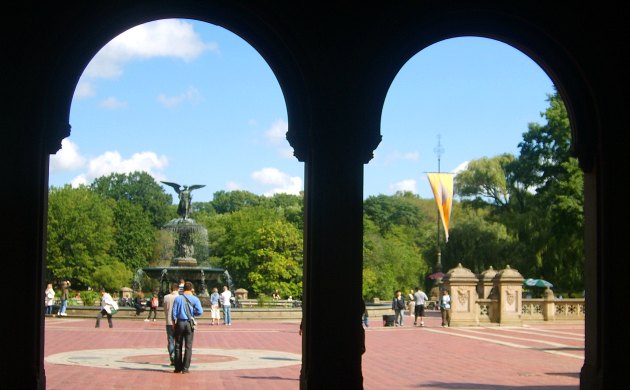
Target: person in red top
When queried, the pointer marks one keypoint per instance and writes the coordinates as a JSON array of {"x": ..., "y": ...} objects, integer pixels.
[{"x": 155, "y": 302}]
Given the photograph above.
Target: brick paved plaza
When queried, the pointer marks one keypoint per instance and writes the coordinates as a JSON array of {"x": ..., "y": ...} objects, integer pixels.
[{"x": 266, "y": 355}]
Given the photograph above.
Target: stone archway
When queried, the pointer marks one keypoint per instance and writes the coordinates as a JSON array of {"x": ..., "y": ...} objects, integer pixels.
[{"x": 334, "y": 65}]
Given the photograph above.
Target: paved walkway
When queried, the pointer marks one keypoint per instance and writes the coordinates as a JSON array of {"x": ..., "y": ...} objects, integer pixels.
[{"x": 266, "y": 355}]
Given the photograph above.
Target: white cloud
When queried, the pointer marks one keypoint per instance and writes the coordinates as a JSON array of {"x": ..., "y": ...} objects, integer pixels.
[
  {"x": 277, "y": 133},
  {"x": 287, "y": 152},
  {"x": 84, "y": 89},
  {"x": 396, "y": 156},
  {"x": 190, "y": 95},
  {"x": 110, "y": 162},
  {"x": 408, "y": 185},
  {"x": 461, "y": 167},
  {"x": 112, "y": 103},
  {"x": 232, "y": 186},
  {"x": 162, "y": 38},
  {"x": 66, "y": 159},
  {"x": 280, "y": 181}
]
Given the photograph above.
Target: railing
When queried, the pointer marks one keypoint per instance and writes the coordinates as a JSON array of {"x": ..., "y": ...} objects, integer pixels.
[
  {"x": 535, "y": 310},
  {"x": 278, "y": 303}
]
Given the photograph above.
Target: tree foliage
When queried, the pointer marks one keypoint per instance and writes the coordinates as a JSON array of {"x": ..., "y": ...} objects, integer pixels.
[
  {"x": 134, "y": 235},
  {"x": 541, "y": 202},
  {"x": 141, "y": 189},
  {"x": 80, "y": 234}
]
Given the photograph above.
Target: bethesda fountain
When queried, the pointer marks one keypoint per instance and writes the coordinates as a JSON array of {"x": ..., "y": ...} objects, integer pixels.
[{"x": 186, "y": 241}]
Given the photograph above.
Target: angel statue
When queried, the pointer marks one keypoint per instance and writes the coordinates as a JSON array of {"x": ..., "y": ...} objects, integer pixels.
[{"x": 185, "y": 198}]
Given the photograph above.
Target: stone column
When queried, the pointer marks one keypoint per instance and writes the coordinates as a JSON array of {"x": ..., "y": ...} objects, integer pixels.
[
  {"x": 509, "y": 284},
  {"x": 333, "y": 339},
  {"x": 486, "y": 290},
  {"x": 549, "y": 305},
  {"x": 462, "y": 285},
  {"x": 486, "y": 283}
]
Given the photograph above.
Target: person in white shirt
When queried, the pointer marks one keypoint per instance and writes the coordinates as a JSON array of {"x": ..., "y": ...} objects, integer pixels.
[
  {"x": 107, "y": 303},
  {"x": 445, "y": 308},
  {"x": 49, "y": 298},
  {"x": 168, "y": 313},
  {"x": 226, "y": 303}
]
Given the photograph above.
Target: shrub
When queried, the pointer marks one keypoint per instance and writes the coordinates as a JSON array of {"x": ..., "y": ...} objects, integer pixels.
[
  {"x": 263, "y": 300},
  {"x": 89, "y": 297}
]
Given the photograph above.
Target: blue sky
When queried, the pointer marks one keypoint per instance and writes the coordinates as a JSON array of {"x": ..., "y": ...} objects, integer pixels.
[{"x": 193, "y": 103}]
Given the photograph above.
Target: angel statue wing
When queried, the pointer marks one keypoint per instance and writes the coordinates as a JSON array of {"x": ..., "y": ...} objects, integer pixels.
[
  {"x": 195, "y": 186},
  {"x": 174, "y": 185}
]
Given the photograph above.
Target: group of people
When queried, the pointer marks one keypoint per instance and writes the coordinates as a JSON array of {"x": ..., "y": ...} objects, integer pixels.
[
  {"x": 416, "y": 305},
  {"x": 49, "y": 298},
  {"x": 181, "y": 307}
]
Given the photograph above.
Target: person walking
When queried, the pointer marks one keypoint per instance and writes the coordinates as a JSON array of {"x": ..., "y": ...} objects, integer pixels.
[
  {"x": 445, "y": 308},
  {"x": 226, "y": 304},
  {"x": 185, "y": 308},
  {"x": 398, "y": 305},
  {"x": 107, "y": 305},
  {"x": 155, "y": 303},
  {"x": 49, "y": 298},
  {"x": 65, "y": 291},
  {"x": 420, "y": 298},
  {"x": 169, "y": 300},
  {"x": 214, "y": 306}
]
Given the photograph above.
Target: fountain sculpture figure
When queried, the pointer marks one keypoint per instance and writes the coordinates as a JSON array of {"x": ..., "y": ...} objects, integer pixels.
[{"x": 190, "y": 241}]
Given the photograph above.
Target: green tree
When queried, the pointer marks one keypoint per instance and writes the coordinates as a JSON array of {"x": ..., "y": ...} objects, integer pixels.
[
  {"x": 399, "y": 209},
  {"x": 278, "y": 260},
  {"x": 253, "y": 241},
  {"x": 112, "y": 276},
  {"x": 141, "y": 189},
  {"x": 231, "y": 201},
  {"x": 80, "y": 234},
  {"x": 478, "y": 243},
  {"x": 546, "y": 166},
  {"x": 485, "y": 180},
  {"x": 134, "y": 235},
  {"x": 539, "y": 200}
]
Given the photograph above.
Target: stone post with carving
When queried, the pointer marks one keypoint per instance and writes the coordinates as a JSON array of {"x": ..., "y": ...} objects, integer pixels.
[
  {"x": 462, "y": 285},
  {"x": 509, "y": 284}
]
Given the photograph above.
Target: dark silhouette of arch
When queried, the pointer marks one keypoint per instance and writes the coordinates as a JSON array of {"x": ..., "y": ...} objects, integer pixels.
[{"x": 334, "y": 63}]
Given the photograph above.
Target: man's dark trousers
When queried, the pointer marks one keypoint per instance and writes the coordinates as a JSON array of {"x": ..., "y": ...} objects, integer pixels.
[{"x": 183, "y": 340}]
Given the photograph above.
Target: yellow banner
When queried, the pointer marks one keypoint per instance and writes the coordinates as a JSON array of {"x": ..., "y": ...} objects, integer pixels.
[{"x": 442, "y": 186}]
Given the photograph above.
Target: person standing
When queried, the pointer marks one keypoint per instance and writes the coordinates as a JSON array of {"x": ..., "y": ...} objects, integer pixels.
[
  {"x": 365, "y": 317},
  {"x": 445, "y": 308},
  {"x": 411, "y": 304},
  {"x": 226, "y": 304},
  {"x": 398, "y": 305},
  {"x": 107, "y": 304},
  {"x": 65, "y": 291},
  {"x": 168, "y": 315},
  {"x": 181, "y": 286},
  {"x": 49, "y": 298},
  {"x": 155, "y": 303},
  {"x": 214, "y": 306},
  {"x": 185, "y": 308},
  {"x": 420, "y": 298},
  {"x": 137, "y": 303}
]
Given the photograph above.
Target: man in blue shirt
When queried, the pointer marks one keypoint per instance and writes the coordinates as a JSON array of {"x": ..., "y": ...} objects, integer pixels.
[{"x": 185, "y": 308}]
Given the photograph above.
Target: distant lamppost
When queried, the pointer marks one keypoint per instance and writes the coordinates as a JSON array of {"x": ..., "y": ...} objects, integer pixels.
[{"x": 439, "y": 150}]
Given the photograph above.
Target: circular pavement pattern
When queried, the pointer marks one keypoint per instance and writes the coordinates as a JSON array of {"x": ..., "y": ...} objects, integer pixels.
[{"x": 157, "y": 359}]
